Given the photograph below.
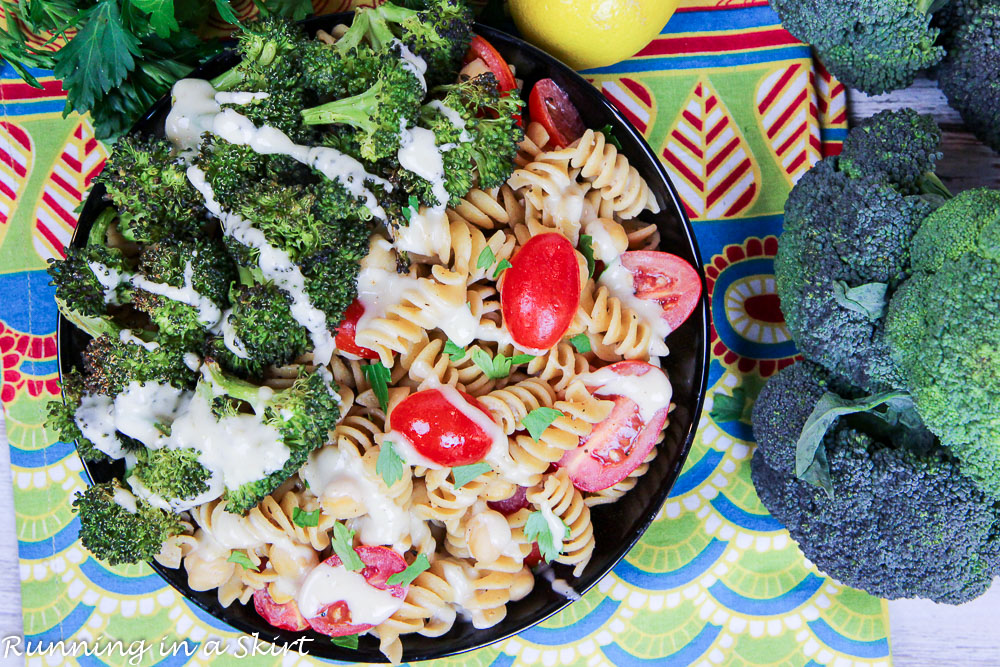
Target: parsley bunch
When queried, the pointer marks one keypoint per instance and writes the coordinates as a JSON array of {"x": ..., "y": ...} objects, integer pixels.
[{"x": 123, "y": 55}]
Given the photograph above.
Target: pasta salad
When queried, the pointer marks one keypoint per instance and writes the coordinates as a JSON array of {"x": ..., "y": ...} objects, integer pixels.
[{"x": 368, "y": 350}]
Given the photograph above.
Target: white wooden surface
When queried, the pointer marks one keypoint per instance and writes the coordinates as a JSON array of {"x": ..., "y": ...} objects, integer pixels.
[{"x": 923, "y": 633}]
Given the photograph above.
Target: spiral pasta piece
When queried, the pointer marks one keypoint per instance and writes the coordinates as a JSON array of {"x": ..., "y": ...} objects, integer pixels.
[
  {"x": 642, "y": 235},
  {"x": 613, "y": 324},
  {"x": 467, "y": 246},
  {"x": 616, "y": 491},
  {"x": 481, "y": 209},
  {"x": 536, "y": 140},
  {"x": 559, "y": 366},
  {"x": 558, "y": 494},
  {"x": 510, "y": 405},
  {"x": 555, "y": 193},
  {"x": 609, "y": 171},
  {"x": 426, "y": 611}
]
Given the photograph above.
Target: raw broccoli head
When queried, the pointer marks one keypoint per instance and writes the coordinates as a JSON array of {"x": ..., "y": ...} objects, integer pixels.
[
  {"x": 873, "y": 45},
  {"x": 201, "y": 264},
  {"x": 844, "y": 249},
  {"x": 303, "y": 414},
  {"x": 110, "y": 364},
  {"x": 79, "y": 289},
  {"x": 942, "y": 327},
  {"x": 901, "y": 145},
  {"x": 970, "y": 75},
  {"x": 380, "y": 112},
  {"x": 173, "y": 474},
  {"x": 439, "y": 33},
  {"x": 150, "y": 189},
  {"x": 262, "y": 321},
  {"x": 116, "y": 535},
  {"x": 903, "y": 520}
]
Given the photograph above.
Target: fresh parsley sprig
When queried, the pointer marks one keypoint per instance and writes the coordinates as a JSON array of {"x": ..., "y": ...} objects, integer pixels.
[
  {"x": 389, "y": 464},
  {"x": 242, "y": 560},
  {"x": 499, "y": 366},
  {"x": 537, "y": 529},
  {"x": 538, "y": 420},
  {"x": 378, "y": 377},
  {"x": 305, "y": 519},
  {"x": 581, "y": 342},
  {"x": 587, "y": 250},
  {"x": 346, "y": 641},
  {"x": 465, "y": 474},
  {"x": 343, "y": 545},
  {"x": 454, "y": 351}
]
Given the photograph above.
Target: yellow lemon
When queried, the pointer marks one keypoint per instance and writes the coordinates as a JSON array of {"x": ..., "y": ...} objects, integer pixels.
[{"x": 591, "y": 33}]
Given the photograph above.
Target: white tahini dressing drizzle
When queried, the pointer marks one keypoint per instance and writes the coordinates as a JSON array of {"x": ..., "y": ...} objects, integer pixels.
[
  {"x": 95, "y": 418},
  {"x": 560, "y": 586},
  {"x": 208, "y": 312},
  {"x": 334, "y": 472},
  {"x": 651, "y": 392},
  {"x": 452, "y": 115},
  {"x": 619, "y": 282},
  {"x": 141, "y": 407},
  {"x": 229, "y": 337},
  {"x": 412, "y": 62},
  {"x": 556, "y": 527},
  {"x": 276, "y": 265},
  {"x": 109, "y": 279},
  {"x": 605, "y": 248},
  {"x": 126, "y": 336},
  {"x": 124, "y": 499},
  {"x": 327, "y": 584}
]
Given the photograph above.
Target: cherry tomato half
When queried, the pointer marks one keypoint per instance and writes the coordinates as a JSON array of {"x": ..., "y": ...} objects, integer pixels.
[
  {"x": 618, "y": 444},
  {"x": 285, "y": 616},
  {"x": 534, "y": 557},
  {"x": 540, "y": 292},
  {"x": 666, "y": 279},
  {"x": 549, "y": 105},
  {"x": 512, "y": 505},
  {"x": 480, "y": 48},
  {"x": 348, "y": 328},
  {"x": 439, "y": 430},
  {"x": 381, "y": 563}
]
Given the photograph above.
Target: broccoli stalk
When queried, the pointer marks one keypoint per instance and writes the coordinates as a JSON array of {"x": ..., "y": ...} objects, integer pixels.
[
  {"x": 119, "y": 528},
  {"x": 903, "y": 520}
]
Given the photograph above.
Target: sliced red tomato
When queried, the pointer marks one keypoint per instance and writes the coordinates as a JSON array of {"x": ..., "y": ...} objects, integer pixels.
[
  {"x": 666, "y": 279},
  {"x": 512, "y": 505},
  {"x": 480, "y": 48},
  {"x": 534, "y": 557},
  {"x": 285, "y": 616},
  {"x": 618, "y": 444},
  {"x": 348, "y": 328},
  {"x": 381, "y": 563},
  {"x": 439, "y": 430},
  {"x": 540, "y": 292},
  {"x": 549, "y": 105}
]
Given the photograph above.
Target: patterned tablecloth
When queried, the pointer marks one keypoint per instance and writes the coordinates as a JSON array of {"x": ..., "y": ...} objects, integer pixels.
[{"x": 738, "y": 110}]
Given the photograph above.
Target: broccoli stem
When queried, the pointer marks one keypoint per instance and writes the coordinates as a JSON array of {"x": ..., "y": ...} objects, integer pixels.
[
  {"x": 395, "y": 13},
  {"x": 355, "y": 34},
  {"x": 236, "y": 388},
  {"x": 930, "y": 184},
  {"x": 98, "y": 232},
  {"x": 355, "y": 111},
  {"x": 379, "y": 32}
]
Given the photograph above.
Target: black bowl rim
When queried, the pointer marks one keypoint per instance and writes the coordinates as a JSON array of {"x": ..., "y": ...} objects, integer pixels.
[{"x": 328, "y": 651}]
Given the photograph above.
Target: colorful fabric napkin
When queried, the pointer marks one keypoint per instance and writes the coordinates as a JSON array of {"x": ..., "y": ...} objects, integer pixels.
[{"x": 738, "y": 110}]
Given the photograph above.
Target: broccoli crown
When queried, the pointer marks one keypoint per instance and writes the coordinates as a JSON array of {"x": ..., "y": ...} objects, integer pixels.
[
  {"x": 303, "y": 414},
  {"x": 380, "y": 112},
  {"x": 62, "y": 417},
  {"x": 941, "y": 325},
  {"x": 202, "y": 264},
  {"x": 336, "y": 72},
  {"x": 843, "y": 233},
  {"x": 970, "y": 75},
  {"x": 174, "y": 474},
  {"x": 332, "y": 279},
  {"x": 269, "y": 49},
  {"x": 439, "y": 33},
  {"x": 901, "y": 145},
  {"x": 902, "y": 523},
  {"x": 873, "y": 45},
  {"x": 263, "y": 324},
  {"x": 784, "y": 405},
  {"x": 150, "y": 189},
  {"x": 117, "y": 535},
  {"x": 110, "y": 364}
]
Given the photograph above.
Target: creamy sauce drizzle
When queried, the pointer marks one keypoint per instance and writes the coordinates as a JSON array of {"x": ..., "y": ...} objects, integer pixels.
[
  {"x": 619, "y": 282},
  {"x": 326, "y": 585},
  {"x": 208, "y": 312},
  {"x": 651, "y": 392}
]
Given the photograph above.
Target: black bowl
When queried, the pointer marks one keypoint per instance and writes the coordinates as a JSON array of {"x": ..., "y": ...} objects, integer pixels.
[{"x": 618, "y": 526}]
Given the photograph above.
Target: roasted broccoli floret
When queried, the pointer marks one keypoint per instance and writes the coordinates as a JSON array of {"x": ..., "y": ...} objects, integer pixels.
[
  {"x": 379, "y": 114},
  {"x": 903, "y": 146},
  {"x": 303, "y": 415},
  {"x": 873, "y": 45},
  {"x": 970, "y": 74},
  {"x": 269, "y": 50},
  {"x": 844, "y": 249},
  {"x": 119, "y": 528},
  {"x": 93, "y": 277},
  {"x": 439, "y": 33},
  {"x": 332, "y": 279},
  {"x": 903, "y": 521},
  {"x": 183, "y": 285},
  {"x": 111, "y": 363},
  {"x": 339, "y": 70},
  {"x": 173, "y": 474},
  {"x": 150, "y": 189},
  {"x": 266, "y": 333},
  {"x": 942, "y": 328}
]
